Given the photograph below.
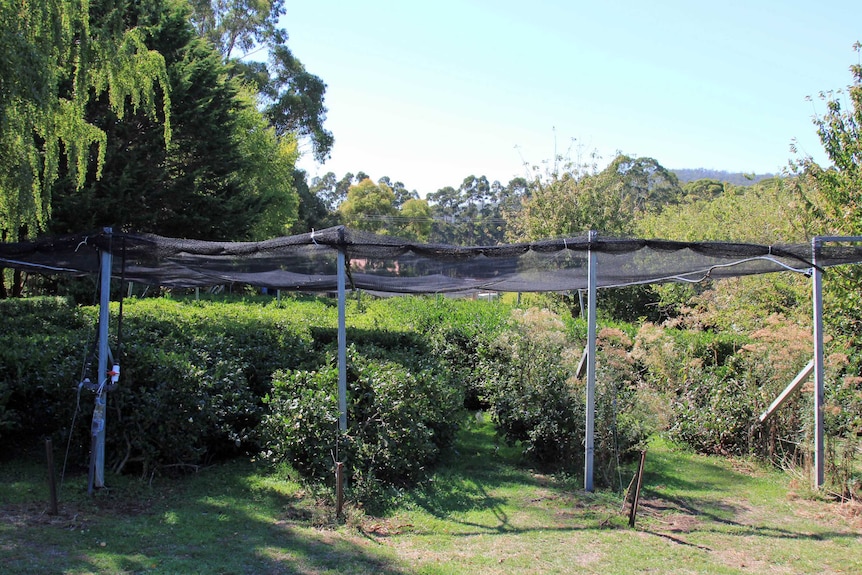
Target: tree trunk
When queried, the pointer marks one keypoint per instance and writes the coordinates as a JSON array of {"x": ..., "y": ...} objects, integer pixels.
[
  {"x": 18, "y": 275},
  {"x": 17, "y": 283}
]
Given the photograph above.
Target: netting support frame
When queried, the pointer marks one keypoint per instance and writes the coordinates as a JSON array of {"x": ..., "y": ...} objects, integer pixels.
[
  {"x": 819, "y": 375},
  {"x": 342, "y": 343},
  {"x": 589, "y": 434},
  {"x": 99, "y": 425}
]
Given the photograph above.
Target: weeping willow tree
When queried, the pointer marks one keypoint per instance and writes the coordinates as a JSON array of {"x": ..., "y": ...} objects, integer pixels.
[{"x": 55, "y": 57}]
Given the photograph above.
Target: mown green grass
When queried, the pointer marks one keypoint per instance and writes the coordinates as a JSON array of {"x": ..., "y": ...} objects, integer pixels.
[{"x": 481, "y": 512}]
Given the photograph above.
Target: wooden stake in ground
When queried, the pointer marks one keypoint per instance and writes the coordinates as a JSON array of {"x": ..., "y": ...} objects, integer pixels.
[{"x": 640, "y": 476}]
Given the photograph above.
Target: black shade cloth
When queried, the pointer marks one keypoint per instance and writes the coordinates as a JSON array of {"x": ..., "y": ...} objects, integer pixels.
[{"x": 391, "y": 265}]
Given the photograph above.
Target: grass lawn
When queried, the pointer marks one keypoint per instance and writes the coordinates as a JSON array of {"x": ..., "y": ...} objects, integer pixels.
[{"x": 481, "y": 512}]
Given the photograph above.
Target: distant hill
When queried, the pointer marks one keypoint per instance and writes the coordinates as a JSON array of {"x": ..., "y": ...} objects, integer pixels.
[{"x": 736, "y": 178}]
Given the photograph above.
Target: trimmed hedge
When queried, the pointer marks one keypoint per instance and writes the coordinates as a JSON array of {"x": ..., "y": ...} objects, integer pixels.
[{"x": 402, "y": 411}]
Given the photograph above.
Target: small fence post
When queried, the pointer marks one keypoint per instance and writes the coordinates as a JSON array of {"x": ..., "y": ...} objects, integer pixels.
[{"x": 638, "y": 484}]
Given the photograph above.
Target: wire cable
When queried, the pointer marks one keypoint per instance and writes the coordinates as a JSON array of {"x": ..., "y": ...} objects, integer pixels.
[{"x": 69, "y": 440}]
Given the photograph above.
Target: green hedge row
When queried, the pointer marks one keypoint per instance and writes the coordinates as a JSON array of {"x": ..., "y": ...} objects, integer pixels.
[
  {"x": 195, "y": 376},
  {"x": 208, "y": 379}
]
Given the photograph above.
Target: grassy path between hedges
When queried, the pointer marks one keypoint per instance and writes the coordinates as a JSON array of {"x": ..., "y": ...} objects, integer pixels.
[{"x": 482, "y": 513}]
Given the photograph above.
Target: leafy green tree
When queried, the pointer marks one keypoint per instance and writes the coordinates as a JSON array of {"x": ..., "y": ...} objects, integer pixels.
[
  {"x": 267, "y": 171},
  {"x": 703, "y": 189},
  {"x": 643, "y": 183},
  {"x": 573, "y": 199},
  {"x": 766, "y": 212},
  {"x": 295, "y": 101},
  {"x": 57, "y": 57},
  {"x": 445, "y": 207},
  {"x": 831, "y": 193},
  {"x": 567, "y": 205},
  {"x": 238, "y": 24},
  {"x": 415, "y": 217},
  {"x": 293, "y": 97},
  {"x": 476, "y": 190},
  {"x": 369, "y": 207},
  {"x": 331, "y": 191},
  {"x": 510, "y": 205},
  {"x": 226, "y": 173},
  {"x": 470, "y": 214},
  {"x": 402, "y": 194},
  {"x": 312, "y": 214}
]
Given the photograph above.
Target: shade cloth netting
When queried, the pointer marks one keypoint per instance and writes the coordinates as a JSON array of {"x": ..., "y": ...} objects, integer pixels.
[{"x": 385, "y": 264}]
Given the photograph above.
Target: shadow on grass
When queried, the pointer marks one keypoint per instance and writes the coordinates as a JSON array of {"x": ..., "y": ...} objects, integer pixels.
[
  {"x": 483, "y": 482},
  {"x": 215, "y": 522},
  {"x": 691, "y": 494}
]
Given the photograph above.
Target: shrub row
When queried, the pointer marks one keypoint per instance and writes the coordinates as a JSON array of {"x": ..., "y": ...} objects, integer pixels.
[{"x": 209, "y": 379}]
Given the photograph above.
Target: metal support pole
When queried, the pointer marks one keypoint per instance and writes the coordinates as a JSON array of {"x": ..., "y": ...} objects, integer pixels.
[
  {"x": 99, "y": 411},
  {"x": 342, "y": 346},
  {"x": 817, "y": 297},
  {"x": 589, "y": 436}
]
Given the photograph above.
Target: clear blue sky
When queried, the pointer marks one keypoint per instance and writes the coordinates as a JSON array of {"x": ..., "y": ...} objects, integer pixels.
[{"x": 428, "y": 92}]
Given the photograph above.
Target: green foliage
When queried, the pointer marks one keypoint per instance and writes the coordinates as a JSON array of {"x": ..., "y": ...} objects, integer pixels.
[
  {"x": 403, "y": 409},
  {"x": 714, "y": 412},
  {"x": 717, "y": 384},
  {"x": 568, "y": 204},
  {"x": 532, "y": 397},
  {"x": 461, "y": 333},
  {"x": 573, "y": 199},
  {"x": 472, "y": 214},
  {"x": 237, "y": 25},
  {"x": 42, "y": 348},
  {"x": 59, "y": 56},
  {"x": 293, "y": 98},
  {"x": 766, "y": 212},
  {"x": 301, "y": 426},
  {"x": 831, "y": 193},
  {"x": 368, "y": 206},
  {"x": 537, "y": 401},
  {"x": 192, "y": 376},
  {"x": 643, "y": 184},
  {"x": 195, "y": 375},
  {"x": 268, "y": 170},
  {"x": 416, "y": 217},
  {"x": 830, "y": 196},
  {"x": 225, "y": 174}
]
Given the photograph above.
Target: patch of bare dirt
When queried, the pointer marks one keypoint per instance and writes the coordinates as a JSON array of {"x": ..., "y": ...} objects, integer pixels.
[
  {"x": 666, "y": 513},
  {"x": 745, "y": 560},
  {"x": 843, "y": 513},
  {"x": 32, "y": 515},
  {"x": 385, "y": 528}
]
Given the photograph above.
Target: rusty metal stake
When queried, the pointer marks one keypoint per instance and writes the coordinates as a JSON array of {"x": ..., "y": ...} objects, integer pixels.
[{"x": 339, "y": 488}]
